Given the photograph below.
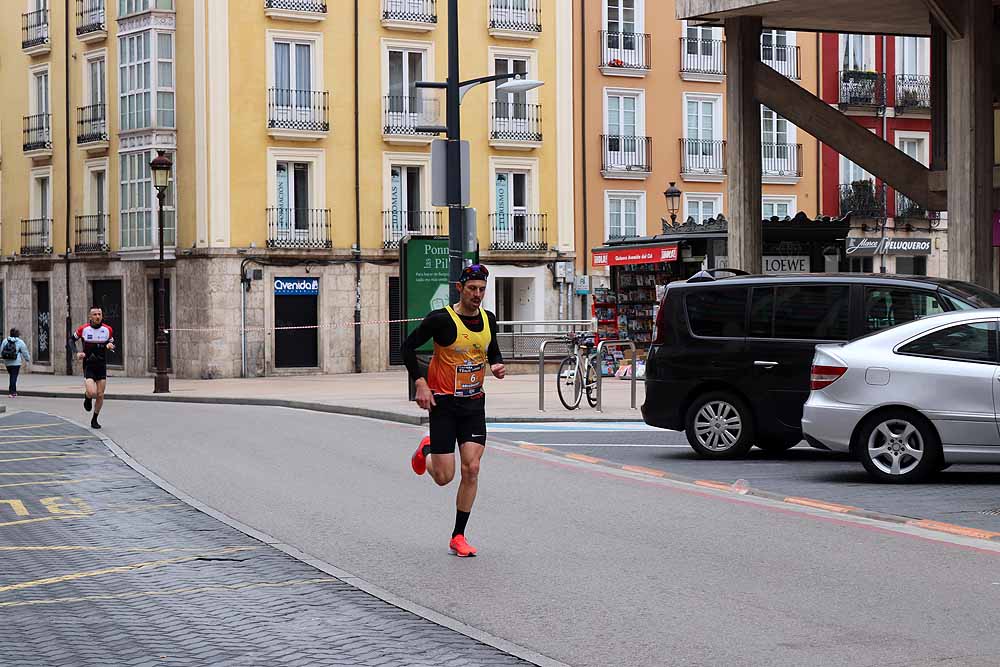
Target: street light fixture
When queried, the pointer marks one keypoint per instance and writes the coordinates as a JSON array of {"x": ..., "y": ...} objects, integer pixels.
[
  {"x": 673, "y": 196},
  {"x": 161, "y": 167}
]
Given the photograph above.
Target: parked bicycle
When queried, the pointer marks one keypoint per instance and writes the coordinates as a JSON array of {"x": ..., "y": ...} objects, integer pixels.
[{"x": 578, "y": 372}]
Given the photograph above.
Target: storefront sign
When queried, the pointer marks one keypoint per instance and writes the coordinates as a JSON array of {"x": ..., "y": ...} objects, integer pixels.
[
  {"x": 296, "y": 286},
  {"x": 786, "y": 264},
  {"x": 887, "y": 246},
  {"x": 583, "y": 285},
  {"x": 424, "y": 277},
  {"x": 650, "y": 255}
]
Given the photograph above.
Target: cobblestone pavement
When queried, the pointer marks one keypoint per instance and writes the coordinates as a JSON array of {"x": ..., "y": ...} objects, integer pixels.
[{"x": 102, "y": 567}]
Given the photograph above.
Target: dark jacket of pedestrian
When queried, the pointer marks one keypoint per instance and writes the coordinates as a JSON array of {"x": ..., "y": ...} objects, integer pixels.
[{"x": 14, "y": 365}]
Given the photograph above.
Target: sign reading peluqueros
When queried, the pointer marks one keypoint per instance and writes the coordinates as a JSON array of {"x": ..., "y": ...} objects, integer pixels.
[{"x": 889, "y": 245}]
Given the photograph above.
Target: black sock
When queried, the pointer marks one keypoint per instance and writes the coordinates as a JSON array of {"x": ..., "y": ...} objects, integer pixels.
[
  {"x": 461, "y": 518},
  {"x": 425, "y": 450}
]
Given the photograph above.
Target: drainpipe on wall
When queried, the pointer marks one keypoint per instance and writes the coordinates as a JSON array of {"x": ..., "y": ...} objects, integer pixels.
[
  {"x": 583, "y": 148},
  {"x": 819, "y": 144},
  {"x": 357, "y": 203},
  {"x": 69, "y": 191}
]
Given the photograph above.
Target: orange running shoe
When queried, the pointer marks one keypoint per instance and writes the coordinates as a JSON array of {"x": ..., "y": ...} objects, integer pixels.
[
  {"x": 418, "y": 461},
  {"x": 461, "y": 548}
]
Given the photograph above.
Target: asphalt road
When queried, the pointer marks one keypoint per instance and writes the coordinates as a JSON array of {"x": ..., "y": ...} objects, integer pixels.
[{"x": 586, "y": 565}]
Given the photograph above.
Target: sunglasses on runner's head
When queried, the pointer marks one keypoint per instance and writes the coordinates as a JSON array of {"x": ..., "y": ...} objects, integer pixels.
[{"x": 474, "y": 272}]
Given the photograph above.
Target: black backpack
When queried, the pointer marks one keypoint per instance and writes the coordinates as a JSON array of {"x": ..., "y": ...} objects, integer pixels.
[{"x": 9, "y": 350}]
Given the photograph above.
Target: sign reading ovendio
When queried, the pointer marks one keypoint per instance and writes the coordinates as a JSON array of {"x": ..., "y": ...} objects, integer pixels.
[{"x": 296, "y": 286}]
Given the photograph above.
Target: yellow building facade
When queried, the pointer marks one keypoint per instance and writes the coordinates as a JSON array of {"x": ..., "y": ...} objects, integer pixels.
[{"x": 295, "y": 131}]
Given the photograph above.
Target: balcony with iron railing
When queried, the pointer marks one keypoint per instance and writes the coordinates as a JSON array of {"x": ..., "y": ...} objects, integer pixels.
[
  {"x": 703, "y": 160},
  {"x": 518, "y": 232},
  {"x": 92, "y": 234},
  {"x": 626, "y": 156},
  {"x": 397, "y": 224},
  {"x": 515, "y": 19},
  {"x": 782, "y": 59},
  {"x": 92, "y": 126},
  {"x": 402, "y": 115},
  {"x": 299, "y": 228},
  {"x": 296, "y": 10},
  {"x": 35, "y": 32},
  {"x": 36, "y": 236},
  {"x": 913, "y": 93},
  {"x": 781, "y": 162},
  {"x": 515, "y": 125},
  {"x": 302, "y": 115},
  {"x": 37, "y": 135},
  {"x": 861, "y": 89},
  {"x": 906, "y": 208},
  {"x": 863, "y": 199},
  {"x": 91, "y": 21},
  {"x": 703, "y": 59},
  {"x": 625, "y": 53},
  {"x": 410, "y": 15}
]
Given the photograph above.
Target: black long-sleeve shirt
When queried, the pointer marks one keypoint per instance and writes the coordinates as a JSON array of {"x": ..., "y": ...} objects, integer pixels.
[{"x": 439, "y": 326}]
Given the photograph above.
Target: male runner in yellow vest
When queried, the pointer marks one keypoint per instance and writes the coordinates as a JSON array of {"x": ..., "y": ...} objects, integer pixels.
[{"x": 465, "y": 346}]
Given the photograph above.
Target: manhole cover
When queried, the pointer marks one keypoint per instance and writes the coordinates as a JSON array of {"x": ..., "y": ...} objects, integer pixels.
[{"x": 992, "y": 512}]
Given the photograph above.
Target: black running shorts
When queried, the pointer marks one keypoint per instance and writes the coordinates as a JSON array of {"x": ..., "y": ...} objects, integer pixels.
[
  {"x": 457, "y": 420},
  {"x": 95, "y": 371}
]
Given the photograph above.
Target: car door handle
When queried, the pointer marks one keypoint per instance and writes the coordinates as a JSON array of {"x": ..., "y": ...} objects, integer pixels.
[{"x": 765, "y": 364}]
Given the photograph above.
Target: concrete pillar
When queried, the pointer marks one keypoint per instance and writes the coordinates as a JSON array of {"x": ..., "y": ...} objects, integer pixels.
[
  {"x": 939, "y": 97},
  {"x": 743, "y": 162},
  {"x": 970, "y": 146}
]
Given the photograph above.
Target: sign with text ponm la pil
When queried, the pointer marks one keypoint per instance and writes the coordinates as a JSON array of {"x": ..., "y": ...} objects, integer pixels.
[
  {"x": 296, "y": 286},
  {"x": 649, "y": 255}
]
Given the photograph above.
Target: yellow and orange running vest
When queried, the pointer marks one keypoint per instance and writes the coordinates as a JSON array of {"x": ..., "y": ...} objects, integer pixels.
[{"x": 459, "y": 369}]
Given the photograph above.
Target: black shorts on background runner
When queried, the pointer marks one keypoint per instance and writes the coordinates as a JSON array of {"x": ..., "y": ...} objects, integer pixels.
[
  {"x": 95, "y": 371},
  {"x": 455, "y": 421}
]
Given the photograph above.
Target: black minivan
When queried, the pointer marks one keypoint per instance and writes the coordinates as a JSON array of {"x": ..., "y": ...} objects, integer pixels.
[{"x": 731, "y": 358}]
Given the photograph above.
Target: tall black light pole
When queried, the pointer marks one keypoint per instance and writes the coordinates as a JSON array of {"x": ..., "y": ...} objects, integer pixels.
[{"x": 161, "y": 166}]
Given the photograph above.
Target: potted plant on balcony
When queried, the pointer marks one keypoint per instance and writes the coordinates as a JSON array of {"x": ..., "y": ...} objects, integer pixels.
[
  {"x": 861, "y": 199},
  {"x": 616, "y": 62},
  {"x": 859, "y": 86}
]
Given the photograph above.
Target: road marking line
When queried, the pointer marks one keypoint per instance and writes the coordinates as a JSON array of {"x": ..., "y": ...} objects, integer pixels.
[
  {"x": 33, "y": 437},
  {"x": 721, "y": 486},
  {"x": 534, "y": 447},
  {"x": 34, "y": 474},
  {"x": 58, "y": 437},
  {"x": 583, "y": 457},
  {"x": 29, "y": 426},
  {"x": 111, "y": 549},
  {"x": 819, "y": 504},
  {"x": 53, "y": 482},
  {"x": 119, "y": 569},
  {"x": 953, "y": 529},
  {"x": 645, "y": 471},
  {"x": 611, "y": 444},
  {"x": 83, "y": 516},
  {"x": 60, "y": 456},
  {"x": 175, "y": 591},
  {"x": 34, "y": 451}
]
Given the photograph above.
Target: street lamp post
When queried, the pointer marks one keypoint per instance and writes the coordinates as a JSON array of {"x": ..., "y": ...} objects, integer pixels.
[
  {"x": 673, "y": 197},
  {"x": 161, "y": 166}
]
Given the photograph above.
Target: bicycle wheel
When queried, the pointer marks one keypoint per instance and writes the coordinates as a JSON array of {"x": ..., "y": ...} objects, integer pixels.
[
  {"x": 590, "y": 383},
  {"x": 569, "y": 384}
]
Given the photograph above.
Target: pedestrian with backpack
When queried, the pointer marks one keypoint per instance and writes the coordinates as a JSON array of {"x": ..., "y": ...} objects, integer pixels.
[{"x": 12, "y": 352}]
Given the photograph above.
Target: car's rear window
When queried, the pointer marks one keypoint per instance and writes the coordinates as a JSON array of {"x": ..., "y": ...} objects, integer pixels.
[
  {"x": 973, "y": 295},
  {"x": 717, "y": 312}
]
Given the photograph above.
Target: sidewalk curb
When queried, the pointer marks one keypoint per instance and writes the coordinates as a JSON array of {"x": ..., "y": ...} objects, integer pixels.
[
  {"x": 388, "y": 597},
  {"x": 349, "y": 410}
]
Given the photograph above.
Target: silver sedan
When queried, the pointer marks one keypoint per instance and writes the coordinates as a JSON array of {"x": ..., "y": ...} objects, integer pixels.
[{"x": 910, "y": 400}]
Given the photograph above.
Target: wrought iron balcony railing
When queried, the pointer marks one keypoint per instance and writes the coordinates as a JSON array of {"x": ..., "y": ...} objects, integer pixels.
[
  {"x": 864, "y": 198},
  {"x": 403, "y": 114},
  {"x": 298, "y": 228},
  {"x": 516, "y": 15},
  {"x": 703, "y": 156},
  {"x": 907, "y": 208},
  {"x": 315, "y": 6},
  {"x": 781, "y": 159},
  {"x": 90, "y": 17},
  {"x": 91, "y": 124},
  {"x": 302, "y": 110},
  {"x": 37, "y": 132},
  {"x": 782, "y": 59},
  {"x": 36, "y": 236},
  {"x": 862, "y": 89},
  {"x": 626, "y": 153},
  {"x": 510, "y": 121},
  {"x": 703, "y": 56},
  {"x": 913, "y": 91},
  {"x": 92, "y": 233},
  {"x": 34, "y": 29},
  {"x": 416, "y": 11},
  {"x": 625, "y": 50},
  {"x": 518, "y": 232},
  {"x": 397, "y": 224}
]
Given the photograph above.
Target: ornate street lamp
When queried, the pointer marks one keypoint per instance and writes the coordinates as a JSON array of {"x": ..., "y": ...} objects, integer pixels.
[
  {"x": 673, "y": 196},
  {"x": 161, "y": 167}
]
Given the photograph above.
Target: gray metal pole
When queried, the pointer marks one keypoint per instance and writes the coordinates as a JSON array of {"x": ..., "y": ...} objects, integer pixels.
[{"x": 456, "y": 214}]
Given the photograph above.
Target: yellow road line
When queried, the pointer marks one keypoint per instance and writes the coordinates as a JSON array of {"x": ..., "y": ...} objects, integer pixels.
[
  {"x": 819, "y": 504},
  {"x": 60, "y": 456},
  {"x": 111, "y": 549},
  {"x": 583, "y": 457},
  {"x": 953, "y": 529},
  {"x": 83, "y": 516},
  {"x": 53, "y": 482},
  {"x": 714, "y": 485},
  {"x": 34, "y": 437},
  {"x": 175, "y": 591},
  {"x": 29, "y": 426},
  {"x": 35, "y": 451},
  {"x": 119, "y": 569},
  {"x": 55, "y": 437},
  {"x": 34, "y": 474},
  {"x": 645, "y": 471}
]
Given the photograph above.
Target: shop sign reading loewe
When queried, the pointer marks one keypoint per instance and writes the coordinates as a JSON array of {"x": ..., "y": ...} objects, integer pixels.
[
  {"x": 296, "y": 286},
  {"x": 888, "y": 246},
  {"x": 650, "y": 255}
]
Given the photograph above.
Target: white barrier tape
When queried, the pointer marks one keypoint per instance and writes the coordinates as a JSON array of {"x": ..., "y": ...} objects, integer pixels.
[{"x": 335, "y": 325}]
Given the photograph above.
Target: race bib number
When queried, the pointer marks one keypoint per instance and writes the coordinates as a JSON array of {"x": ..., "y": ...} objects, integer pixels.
[{"x": 469, "y": 379}]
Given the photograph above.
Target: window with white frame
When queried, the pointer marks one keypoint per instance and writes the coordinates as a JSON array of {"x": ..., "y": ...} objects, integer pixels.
[
  {"x": 702, "y": 207},
  {"x": 913, "y": 146},
  {"x": 512, "y": 222},
  {"x": 912, "y": 55},
  {"x": 702, "y": 48},
  {"x": 137, "y": 199},
  {"x": 165, "y": 116},
  {"x": 622, "y": 16},
  {"x": 406, "y": 66},
  {"x": 41, "y": 195},
  {"x": 624, "y": 127},
  {"x": 774, "y": 45},
  {"x": 126, "y": 7},
  {"x": 95, "y": 80},
  {"x": 857, "y": 52},
  {"x": 781, "y": 207},
  {"x": 293, "y": 72},
  {"x": 702, "y": 132},
  {"x": 778, "y": 151},
  {"x": 510, "y": 108},
  {"x": 851, "y": 172},
  {"x": 40, "y": 91},
  {"x": 145, "y": 78},
  {"x": 625, "y": 214}
]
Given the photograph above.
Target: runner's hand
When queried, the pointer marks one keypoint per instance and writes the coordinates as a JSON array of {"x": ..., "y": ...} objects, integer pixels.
[
  {"x": 425, "y": 397},
  {"x": 81, "y": 356},
  {"x": 499, "y": 371},
  {"x": 111, "y": 347}
]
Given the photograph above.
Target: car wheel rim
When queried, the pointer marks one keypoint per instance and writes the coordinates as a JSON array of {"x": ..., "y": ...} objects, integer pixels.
[
  {"x": 896, "y": 447},
  {"x": 718, "y": 426}
]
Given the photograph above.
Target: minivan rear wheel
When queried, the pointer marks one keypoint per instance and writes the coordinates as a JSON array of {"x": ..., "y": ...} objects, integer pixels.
[
  {"x": 899, "y": 446},
  {"x": 719, "y": 426}
]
